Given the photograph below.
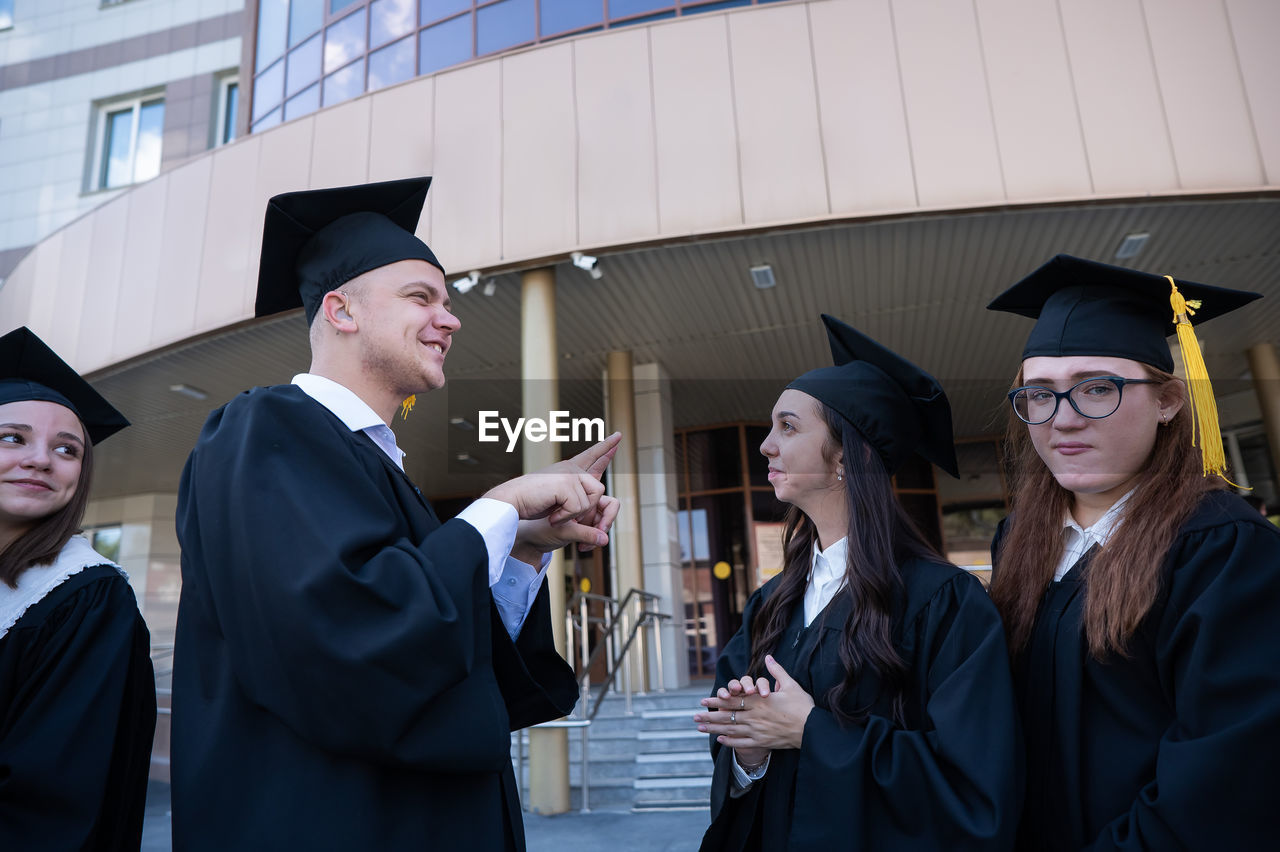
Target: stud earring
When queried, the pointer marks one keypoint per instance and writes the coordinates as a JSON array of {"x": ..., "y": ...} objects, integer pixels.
[{"x": 840, "y": 476}]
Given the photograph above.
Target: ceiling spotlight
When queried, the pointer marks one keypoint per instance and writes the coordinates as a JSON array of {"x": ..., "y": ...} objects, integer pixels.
[
  {"x": 489, "y": 287},
  {"x": 464, "y": 285},
  {"x": 588, "y": 264},
  {"x": 466, "y": 458},
  {"x": 461, "y": 423},
  {"x": 188, "y": 390},
  {"x": 762, "y": 277},
  {"x": 1131, "y": 245}
]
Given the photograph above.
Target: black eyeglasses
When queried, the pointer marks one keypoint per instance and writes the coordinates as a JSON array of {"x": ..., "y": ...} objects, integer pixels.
[{"x": 1094, "y": 398}]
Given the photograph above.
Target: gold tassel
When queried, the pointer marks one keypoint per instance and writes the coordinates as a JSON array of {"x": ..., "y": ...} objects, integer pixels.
[
  {"x": 1205, "y": 431},
  {"x": 407, "y": 406}
]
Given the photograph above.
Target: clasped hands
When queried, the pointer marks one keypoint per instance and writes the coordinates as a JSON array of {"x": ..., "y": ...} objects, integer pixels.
[
  {"x": 562, "y": 504},
  {"x": 753, "y": 718}
]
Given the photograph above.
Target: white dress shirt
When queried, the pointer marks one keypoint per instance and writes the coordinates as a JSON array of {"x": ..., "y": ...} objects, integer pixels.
[
  {"x": 1077, "y": 540},
  {"x": 826, "y": 577},
  {"x": 513, "y": 583}
]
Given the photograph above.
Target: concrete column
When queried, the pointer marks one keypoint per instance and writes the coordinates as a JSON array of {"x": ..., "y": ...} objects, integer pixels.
[
  {"x": 1265, "y": 367},
  {"x": 620, "y": 401},
  {"x": 540, "y": 394},
  {"x": 659, "y": 504}
]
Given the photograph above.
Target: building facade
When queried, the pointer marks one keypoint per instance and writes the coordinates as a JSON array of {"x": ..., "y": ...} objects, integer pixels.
[{"x": 697, "y": 181}]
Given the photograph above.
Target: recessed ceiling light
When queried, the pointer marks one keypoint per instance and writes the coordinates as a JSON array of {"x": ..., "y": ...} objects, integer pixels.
[
  {"x": 461, "y": 423},
  {"x": 466, "y": 458},
  {"x": 188, "y": 390},
  {"x": 762, "y": 276},
  {"x": 1131, "y": 245}
]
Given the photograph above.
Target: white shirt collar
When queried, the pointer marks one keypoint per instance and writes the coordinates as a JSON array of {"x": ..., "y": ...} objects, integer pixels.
[
  {"x": 353, "y": 411},
  {"x": 827, "y": 564},
  {"x": 342, "y": 401},
  {"x": 1102, "y": 529}
]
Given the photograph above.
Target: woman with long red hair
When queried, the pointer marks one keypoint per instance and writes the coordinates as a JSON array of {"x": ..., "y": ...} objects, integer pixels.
[{"x": 1139, "y": 595}]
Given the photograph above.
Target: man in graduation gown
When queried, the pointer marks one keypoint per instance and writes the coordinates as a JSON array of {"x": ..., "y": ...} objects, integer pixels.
[{"x": 344, "y": 677}]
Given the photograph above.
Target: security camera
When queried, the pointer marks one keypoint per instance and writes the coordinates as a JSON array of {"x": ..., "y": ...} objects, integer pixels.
[
  {"x": 588, "y": 264},
  {"x": 464, "y": 285}
]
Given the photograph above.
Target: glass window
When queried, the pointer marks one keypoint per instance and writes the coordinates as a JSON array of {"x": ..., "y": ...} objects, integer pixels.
[
  {"x": 273, "y": 19},
  {"x": 271, "y": 119},
  {"x": 391, "y": 19},
  {"x": 569, "y": 15},
  {"x": 132, "y": 134},
  {"x": 434, "y": 10},
  {"x": 106, "y": 540},
  {"x": 339, "y": 5},
  {"x": 444, "y": 45},
  {"x": 116, "y": 149},
  {"x": 304, "y": 66},
  {"x": 714, "y": 7},
  {"x": 268, "y": 90},
  {"x": 344, "y": 84},
  {"x": 301, "y": 104},
  {"x": 714, "y": 459},
  {"x": 229, "y": 107},
  {"x": 6, "y": 14},
  {"x": 627, "y": 8},
  {"x": 305, "y": 18},
  {"x": 392, "y": 64},
  {"x": 344, "y": 41},
  {"x": 504, "y": 25}
]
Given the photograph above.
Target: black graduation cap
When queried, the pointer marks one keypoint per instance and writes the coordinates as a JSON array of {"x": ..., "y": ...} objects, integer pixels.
[
  {"x": 1083, "y": 307},
  {"x": 317, "y": 240},
  {"x": 30, "y": 370},
  {"x": 896, "y": 407}
]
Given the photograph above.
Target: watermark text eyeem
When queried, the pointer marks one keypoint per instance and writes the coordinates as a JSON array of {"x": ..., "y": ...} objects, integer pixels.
[{"x": 559, "y": 427}]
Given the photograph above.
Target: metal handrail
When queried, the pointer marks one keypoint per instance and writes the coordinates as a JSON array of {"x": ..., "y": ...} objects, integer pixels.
[{"x": 617, "y": 625}]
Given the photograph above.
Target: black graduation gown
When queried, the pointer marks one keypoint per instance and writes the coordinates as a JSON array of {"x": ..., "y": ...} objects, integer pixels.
[
  {"x": 342, "y": 679},
  {"x": 949, "y": 779},
  {"x": 77, "y": 716},
  {"x": 1174, "y": 747}
]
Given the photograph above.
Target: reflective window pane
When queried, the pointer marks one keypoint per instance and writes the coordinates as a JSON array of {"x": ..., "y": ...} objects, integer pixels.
[
  {"x": 444, "y": 45},
  {"x": 566, "y": 15},
  {"x": 504, "y": 25},
  {"x": 339, "y": 5},
  {"x": 271, "y": 119},
  {"x": 115, "y": 149},
  {"x": 715, "y": 7},
  {"x": 304, "y": 66},
  {"x": 6, "y": 13},
  {"x": 146, "y": 158},
  {"x": 434, "y": 10},
  {"x": 392, "y": 64},
  {"x": 273, "y": 19},
  {"x": 344, "y": 41},
  {"x": 307, "y": 101},
  {"x": 344, "y": 84},
  {"x": 268, "y": 90},
  {"x": 232, "y": 110},
  {"x": 305, "y": 18},
  {"x": 626, "y": 8},
  {"x": 391, "y": 19}
]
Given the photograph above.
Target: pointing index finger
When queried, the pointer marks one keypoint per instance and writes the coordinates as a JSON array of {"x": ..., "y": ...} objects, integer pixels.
[{"x": 595, "y": 458}]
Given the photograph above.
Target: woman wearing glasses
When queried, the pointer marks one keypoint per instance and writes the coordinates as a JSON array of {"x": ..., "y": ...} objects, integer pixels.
[{"x": 1139, "y": 595}]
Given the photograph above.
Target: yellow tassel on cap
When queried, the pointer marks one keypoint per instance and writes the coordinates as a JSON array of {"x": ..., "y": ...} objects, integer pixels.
[
  {"x": 407, "y": 406},
  {"x": 1205, "y": 431}
]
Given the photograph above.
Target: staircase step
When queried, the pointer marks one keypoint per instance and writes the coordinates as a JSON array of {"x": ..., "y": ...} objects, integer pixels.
[
  {"x": 673, "y": 805},
  {"x": 671, "y": 756}
]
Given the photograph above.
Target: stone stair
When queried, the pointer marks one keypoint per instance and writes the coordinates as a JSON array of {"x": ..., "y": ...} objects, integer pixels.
[{"x": 651, "y": 760}]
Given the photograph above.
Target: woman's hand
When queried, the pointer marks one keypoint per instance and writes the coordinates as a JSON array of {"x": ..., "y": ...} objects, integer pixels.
[{"x": 751, "y": 718}]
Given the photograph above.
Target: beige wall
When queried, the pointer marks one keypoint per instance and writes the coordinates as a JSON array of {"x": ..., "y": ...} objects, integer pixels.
[{"x": 761, "y": 117}]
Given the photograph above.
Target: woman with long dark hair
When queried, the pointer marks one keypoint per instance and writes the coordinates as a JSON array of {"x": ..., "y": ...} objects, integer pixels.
[
  {"x": 77, "y": 690},
  {"x": 1140, "y": 596},
  {"x": 866, "y": 703}
]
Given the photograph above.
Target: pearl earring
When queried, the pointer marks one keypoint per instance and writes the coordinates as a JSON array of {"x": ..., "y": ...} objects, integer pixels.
[{"x": 840, "y": 476}]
